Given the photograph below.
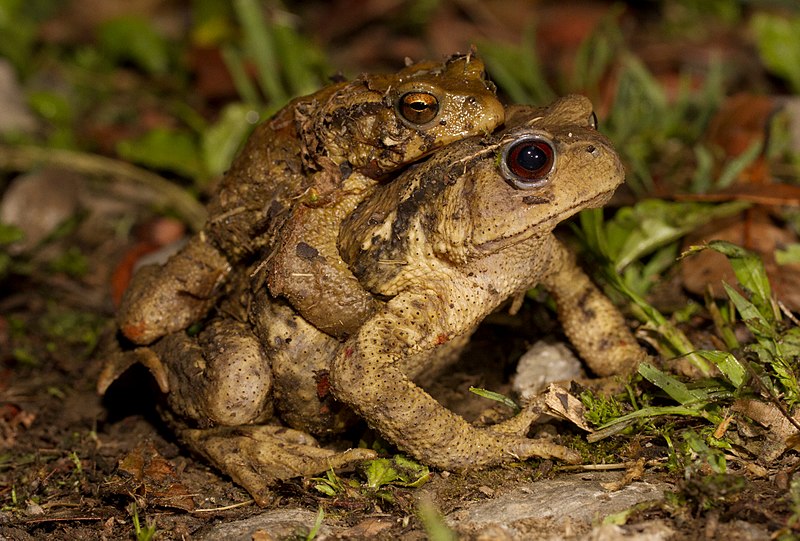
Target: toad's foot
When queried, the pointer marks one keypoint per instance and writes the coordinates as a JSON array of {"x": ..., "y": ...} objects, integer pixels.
[
  {"x": 119, "y": 362},
  {"x": 257, "y": 456}
]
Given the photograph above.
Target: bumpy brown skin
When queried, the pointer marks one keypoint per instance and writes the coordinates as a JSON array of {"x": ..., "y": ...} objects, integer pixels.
[
  {"x": 446, "y": 243},
  {"x": 293, "y": 168}
]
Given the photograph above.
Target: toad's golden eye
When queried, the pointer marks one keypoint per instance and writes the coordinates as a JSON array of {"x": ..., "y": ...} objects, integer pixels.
[
  {"x": 418, "y": 107},
  {"x": 528, "y": 163}
]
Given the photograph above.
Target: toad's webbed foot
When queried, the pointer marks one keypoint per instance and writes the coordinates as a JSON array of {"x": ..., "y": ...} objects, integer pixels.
[{"x": 256, "y": 457}]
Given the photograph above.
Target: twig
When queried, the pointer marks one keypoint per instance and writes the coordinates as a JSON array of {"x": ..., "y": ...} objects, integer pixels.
[
  {"x": 225, "y": 508},
  {"x": 25, "y": 158},
  {"x": 607, "y": 467}
]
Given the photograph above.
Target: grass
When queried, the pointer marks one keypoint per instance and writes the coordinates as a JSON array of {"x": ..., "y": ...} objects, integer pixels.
[{"x": 142, "y": 533}]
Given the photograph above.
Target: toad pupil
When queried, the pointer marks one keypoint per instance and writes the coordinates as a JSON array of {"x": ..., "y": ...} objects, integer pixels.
[{"x": 532, "y": 158}]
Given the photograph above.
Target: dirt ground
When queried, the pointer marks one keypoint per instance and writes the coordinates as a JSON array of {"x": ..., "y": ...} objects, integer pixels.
[{"x": 74, "y": 465}]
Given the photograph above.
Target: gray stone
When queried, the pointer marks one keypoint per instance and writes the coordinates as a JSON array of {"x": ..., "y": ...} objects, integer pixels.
[
  {"x": 278, "y": 524},
  {"x": 553, "y": 509}
]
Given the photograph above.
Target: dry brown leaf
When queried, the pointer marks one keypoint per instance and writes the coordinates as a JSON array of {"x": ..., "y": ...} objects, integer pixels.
[
  {"x": 783, "y": 195},
  {"x": 560, "y": 403},
  {"x": 153, "y": 477},
  {"x": 757, "y": 232},
  {"x": 781, "y": 431},
  {"x": 368, "y": 528},
  {"x": 632, "y": 473}
]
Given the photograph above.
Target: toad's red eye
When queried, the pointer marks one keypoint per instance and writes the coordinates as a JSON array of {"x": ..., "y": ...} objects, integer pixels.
[{"x": 529, "y": 162}]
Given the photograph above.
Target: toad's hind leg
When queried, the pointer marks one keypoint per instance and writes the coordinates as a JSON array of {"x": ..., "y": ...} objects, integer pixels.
[
  {"x": 257, "y": 456},
  {"x": 300, "y": 355},
  {"x": 219, "y": 377},
  {"x": 221, "y": 382}
]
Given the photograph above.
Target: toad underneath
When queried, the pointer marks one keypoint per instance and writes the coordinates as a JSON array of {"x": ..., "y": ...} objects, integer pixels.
[{"x": 440, "y": 247}]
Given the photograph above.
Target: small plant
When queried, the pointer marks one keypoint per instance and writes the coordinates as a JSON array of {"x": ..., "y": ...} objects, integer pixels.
[
  {"x": 332, "y": 485},
  {"x": 314, "y": 531},
  {"x": 380, "y": 476},
  {"x": 497, "y": 397},
  {"x": 432, "y": 521},
  {"x": 147, "y": 533}
]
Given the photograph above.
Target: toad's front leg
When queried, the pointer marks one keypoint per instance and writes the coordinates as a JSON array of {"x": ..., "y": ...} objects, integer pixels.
[
  {"x": 591, "y": 321},
  {"x": 372, "y": 372},
  {"x": 165, "y": 299}
]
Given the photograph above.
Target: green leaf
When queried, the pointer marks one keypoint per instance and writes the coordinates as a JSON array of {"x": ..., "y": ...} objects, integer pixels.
[
  {"x": 497, "y": 397},
  {"x": 165, "y": 149},
  {"x": 72, "y": 262},
  {"x": 713, "y": 457},
  {"x": 734, "y": 168},
  {"x": 10, "y": 234},
  {"x": 51, "y": 106},
  {"x": 222, "y": 140},
  {"x": 397, "y": 470},
  {"x": 650, "y": 224},
  {"x": 518, "y": 70},
  {"x": 379, "y": 472},
  {"x": 788, "y": 254},
  {"x": 751, "y": 315},
  {"x": 317, "y": 525},
  {"x": 731, "y": 367},
  {"x": 778, "y": 42},
  {"x": 750, "y": 272},
  {"x": 676, "y": 389},
  {"x": 260, "y": 46},
  {"x": 646, "y": 413},
  {"x": 134, "y": 39},
  {"x": 433, "y": 522}
]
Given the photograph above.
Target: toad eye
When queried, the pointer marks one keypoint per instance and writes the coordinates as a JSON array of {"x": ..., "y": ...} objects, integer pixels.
[
  {"x": 593, "y": 121},
  {"x": 418, "y": 107},
  {"x": 528, "y": 163}
]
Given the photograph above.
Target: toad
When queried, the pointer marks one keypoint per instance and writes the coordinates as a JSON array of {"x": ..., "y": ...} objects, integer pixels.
[
  {"x": 439, "y": 248},
  {"x": 288, "y": 186}
]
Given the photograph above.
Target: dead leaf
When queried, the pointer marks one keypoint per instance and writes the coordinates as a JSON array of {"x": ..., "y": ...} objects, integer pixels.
[
  {"x": 13, "y": 420},
  {"x": 368, "y": 529},
  {"x": 153, "y": 477},
  {"x": 783, "y": 195},
  {"x": 742, "y": 120},
  {"x": 560, "y": 403},
  {"x": 152, "y": 236},
  {"x": 781, "y": 431},
  {"x": 38, "y": 202},
  {"x": 705, "y": 271},
  {"x": 632, "y": 473},
  {"x": 212, "y": 78}
]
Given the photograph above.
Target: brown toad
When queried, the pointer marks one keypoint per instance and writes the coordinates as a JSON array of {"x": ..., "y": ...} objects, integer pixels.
[
  {"x": 292, "y": 168},
  {"x": 442, "y": 246}
]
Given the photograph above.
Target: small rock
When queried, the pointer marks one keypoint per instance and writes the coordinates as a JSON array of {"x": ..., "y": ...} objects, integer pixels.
[
  {"x": 14, "y": 114},
  {"x": 37, "y": 203},
  {"x": 574, "y": 502},
  {"x": 544, "y": 363},
  {"x": 34, "y": 509},
  {"x": 280, "y": 523}
]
